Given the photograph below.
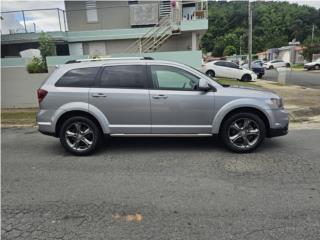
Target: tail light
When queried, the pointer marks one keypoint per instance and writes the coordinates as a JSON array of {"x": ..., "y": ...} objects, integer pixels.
[{"x": 41, "y": 94}]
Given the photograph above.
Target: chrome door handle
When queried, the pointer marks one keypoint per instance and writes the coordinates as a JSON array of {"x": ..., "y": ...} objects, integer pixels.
[
  {"x": 160, "y": 96},
  {"x": 96, "y": 95}
]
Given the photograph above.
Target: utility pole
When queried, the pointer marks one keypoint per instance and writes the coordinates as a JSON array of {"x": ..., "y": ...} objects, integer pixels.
[
  {"x": 312, "y": 35},
  {"x": 250, "y": 33},
  {"x": 240, "y": 41}
]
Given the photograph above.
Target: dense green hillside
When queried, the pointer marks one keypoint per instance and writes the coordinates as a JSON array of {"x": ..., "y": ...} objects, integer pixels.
[{"x": 274, "y": 25}]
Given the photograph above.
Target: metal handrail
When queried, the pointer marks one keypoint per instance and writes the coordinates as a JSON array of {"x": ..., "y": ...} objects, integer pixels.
[{"x": 149, "y": 34}]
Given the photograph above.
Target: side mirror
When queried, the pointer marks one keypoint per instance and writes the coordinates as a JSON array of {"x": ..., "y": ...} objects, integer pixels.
[{"x": 203, "y": 85}]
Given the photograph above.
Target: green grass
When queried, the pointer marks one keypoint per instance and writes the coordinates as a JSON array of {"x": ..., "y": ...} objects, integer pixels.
[
  {"x": 18, "y": 116},
  {"x": 298, "y": 65},
  {"x": 227, "y": 81}
]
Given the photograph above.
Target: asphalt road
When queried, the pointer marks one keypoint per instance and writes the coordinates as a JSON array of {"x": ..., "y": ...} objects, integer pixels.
[
  {"x": 160, "y": 188},
  {"x": 301, "y": 78}
]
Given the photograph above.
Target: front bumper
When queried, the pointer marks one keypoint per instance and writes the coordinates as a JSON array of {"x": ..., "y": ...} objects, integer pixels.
[
  {"x": 277, "y": 132},
  {"x": 279, "y": 122},
  {"x": 308, "y": 67}
]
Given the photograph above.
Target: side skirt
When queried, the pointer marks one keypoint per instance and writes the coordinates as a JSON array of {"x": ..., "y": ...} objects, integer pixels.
[{"x": 161, "y": 135}]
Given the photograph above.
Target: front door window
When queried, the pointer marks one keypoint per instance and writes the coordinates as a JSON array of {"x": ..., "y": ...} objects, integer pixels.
[{"x": 171, "y": 78}]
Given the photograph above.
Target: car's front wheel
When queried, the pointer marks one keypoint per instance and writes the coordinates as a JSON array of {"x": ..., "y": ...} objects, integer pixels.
[
  {"x": 80, "y": 135},
  {"x": 260, "y": 75},
  {"x": 317, "y": 67},
  {"x": 246, "y": 78},
  {"x": 243, "y": 132}
]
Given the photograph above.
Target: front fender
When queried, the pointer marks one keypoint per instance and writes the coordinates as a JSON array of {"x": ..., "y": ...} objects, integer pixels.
[{"x": 235, "y": 104}]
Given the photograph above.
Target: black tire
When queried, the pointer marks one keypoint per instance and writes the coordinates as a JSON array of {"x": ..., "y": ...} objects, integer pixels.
[
  {"x": 227, "y": 128},
  {"x": 260, "y": 75},
  {"x": 271, "y": 67},
  {"x": 246, "y": 78},
  {"x": 317, "y": 67},
  {"x": 93, "y": 136},
  {"x": 288, "y": 65},
  {"x": 211, "y": 73}
]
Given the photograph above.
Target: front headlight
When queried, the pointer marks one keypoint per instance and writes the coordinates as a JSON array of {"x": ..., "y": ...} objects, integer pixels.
[{"x": 275, "y": 103}]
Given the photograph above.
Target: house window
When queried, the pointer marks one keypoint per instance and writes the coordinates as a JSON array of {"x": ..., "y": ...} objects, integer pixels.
[
  {"x": 91, "y": 10},
  {"x": 130, "y": 2}
]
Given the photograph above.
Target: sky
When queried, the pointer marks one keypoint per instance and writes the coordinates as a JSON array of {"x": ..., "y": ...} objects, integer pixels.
[{"x": 49, "y": 21}]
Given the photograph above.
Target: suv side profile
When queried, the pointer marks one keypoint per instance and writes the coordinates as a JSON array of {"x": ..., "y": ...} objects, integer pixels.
[{"x": 84, "y": 100}]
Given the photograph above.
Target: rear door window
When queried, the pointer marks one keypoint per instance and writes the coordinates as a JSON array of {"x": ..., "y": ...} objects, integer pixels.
[
  {"x": 80, "y": 77},
  {"x": 124, "y": 76}
]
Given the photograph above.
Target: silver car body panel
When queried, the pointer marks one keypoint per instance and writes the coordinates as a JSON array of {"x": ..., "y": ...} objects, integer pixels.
[{"x": 135, "y": 111}]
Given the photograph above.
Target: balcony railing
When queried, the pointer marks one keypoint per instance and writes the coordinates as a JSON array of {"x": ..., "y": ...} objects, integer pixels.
[
  {"x": 33, "y": 21},
  {"x": 51, "y": 20}
]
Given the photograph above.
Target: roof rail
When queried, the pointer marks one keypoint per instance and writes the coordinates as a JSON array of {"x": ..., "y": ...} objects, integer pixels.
[{"x": 106, "y": 59}]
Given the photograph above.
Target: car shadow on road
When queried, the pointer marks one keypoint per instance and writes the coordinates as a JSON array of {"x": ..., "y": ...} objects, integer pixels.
[
  {"x": 175, "y": 144},
  {"x": 115, "y": 145}
]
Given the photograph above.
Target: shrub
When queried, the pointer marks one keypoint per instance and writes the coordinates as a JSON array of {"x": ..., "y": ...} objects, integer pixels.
[{"x": 36, "y": 66}]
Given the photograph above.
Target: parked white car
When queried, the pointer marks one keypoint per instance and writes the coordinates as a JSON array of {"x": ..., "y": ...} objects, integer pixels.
[
  {"x": 313, "y": 65},
  {"x": 228, "y": 70},
  {"x": 276, "y": 64}
]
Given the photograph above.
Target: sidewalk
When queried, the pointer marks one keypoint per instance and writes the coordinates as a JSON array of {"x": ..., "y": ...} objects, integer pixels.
[{"x": 303, "y": 104}]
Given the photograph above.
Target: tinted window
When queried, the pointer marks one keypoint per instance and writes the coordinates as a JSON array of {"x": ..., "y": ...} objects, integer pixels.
[
  {"x": 166, "y": 77},
  {"x": 232, "y": 65},
  {"x": 222, "y": 64},
  {"x": 81, "y": 77},
  {"x": 123, "y": 76}
]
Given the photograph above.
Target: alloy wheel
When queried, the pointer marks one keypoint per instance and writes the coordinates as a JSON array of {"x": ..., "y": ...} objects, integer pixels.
[
  {"x": 244, "y": 133},
  {"x": 79, "y": 136}
]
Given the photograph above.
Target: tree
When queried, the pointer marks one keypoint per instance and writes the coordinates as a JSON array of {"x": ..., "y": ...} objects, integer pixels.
[
  {"x": 275, "y": 24},
  {"x": 229, "y": 50},
  {"x": 310, "y": 47},
  {"x": 47, "y": 48}
]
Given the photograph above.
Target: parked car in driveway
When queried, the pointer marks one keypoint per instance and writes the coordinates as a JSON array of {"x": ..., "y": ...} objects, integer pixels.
[
  {"x": 257, "y": 68},
  {"x": 228, "y": 70},
  {"x": 313, "y": 65},
  {"x": 84, "y": 100},
  {"x": 276, "y": 64}
]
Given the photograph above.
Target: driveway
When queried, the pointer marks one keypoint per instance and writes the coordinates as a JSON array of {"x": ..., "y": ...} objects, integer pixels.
[
  {"x": 160, "y": 188},
  {"x": 302, "y": 78}
]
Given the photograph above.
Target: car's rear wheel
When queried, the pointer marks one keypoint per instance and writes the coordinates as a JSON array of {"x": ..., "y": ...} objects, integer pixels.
[
  {"x": 288, "y": 65},
  {"x": 317, "y": 67},
  {"x": 210, "y": 73},
  {"x": 243, "y": 132},
  {"x": 246, "y": 78},
  {"x": 260, "y": 75},
  {"x": 271, "y": 67},
  {"x": 80, "y": 135}
]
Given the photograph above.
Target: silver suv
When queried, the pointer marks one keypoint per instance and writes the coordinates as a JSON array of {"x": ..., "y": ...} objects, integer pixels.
[{"x": 85, "y": 99}]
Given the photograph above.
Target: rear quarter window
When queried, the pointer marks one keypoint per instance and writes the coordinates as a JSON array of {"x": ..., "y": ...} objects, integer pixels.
[
  {"x": 80, "y": 77},
  {"x": 124, "y": 76}
]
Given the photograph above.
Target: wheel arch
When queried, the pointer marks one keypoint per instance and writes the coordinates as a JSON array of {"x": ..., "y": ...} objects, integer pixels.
[
  {"x": 79, "y": 109},
  {"x": 74, "y": 113},
  {"x": 221, "y": 117}
]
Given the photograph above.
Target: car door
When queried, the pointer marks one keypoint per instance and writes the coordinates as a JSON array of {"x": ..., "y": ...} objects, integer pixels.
[
  {"x": 233, "y": 70},
  {"x": 176, "y": 105},
  {"x": 220, "y": 69},
  {"x": 121, "y": 94}
]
